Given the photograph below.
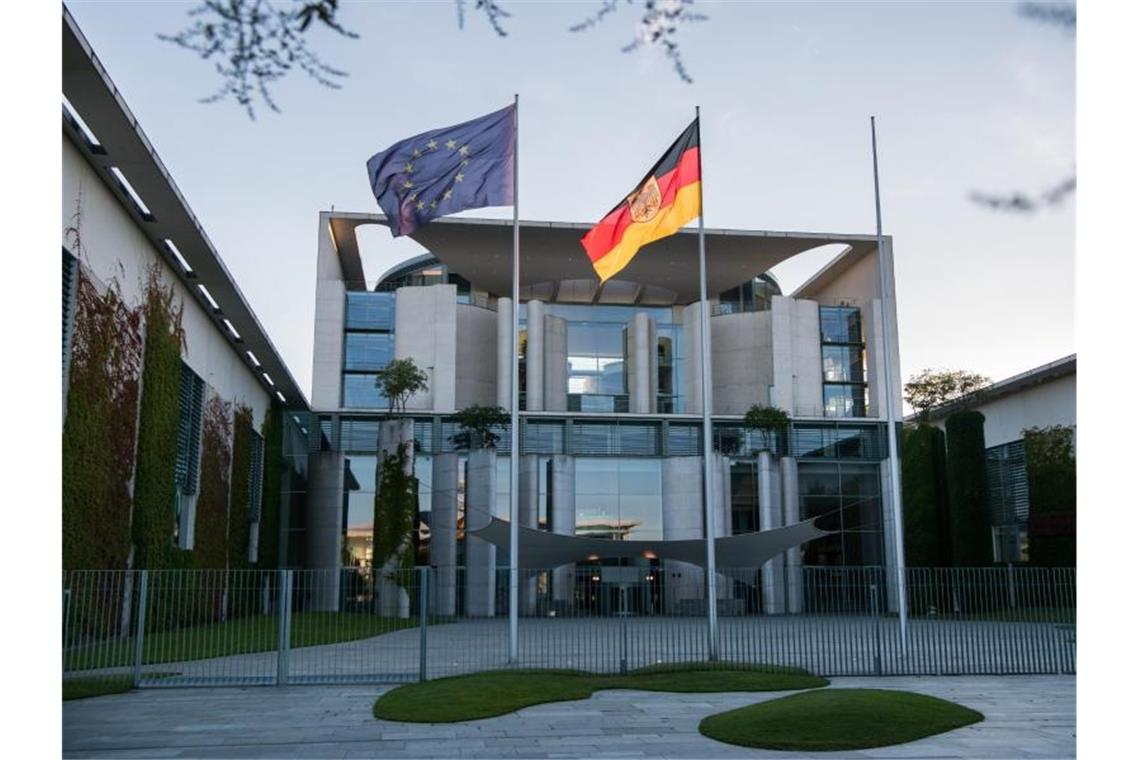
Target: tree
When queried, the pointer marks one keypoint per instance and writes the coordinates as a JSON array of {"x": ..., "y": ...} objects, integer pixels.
[
  {"x": 254, "y": 43},
  {"x": 970, "y": 540},
  {"x": 768, "y": 420},
  {"x": 925, "y": 514},
  {"x": 1051, "y": 472},
  {"x": 399, "y": 381},
  {"x": 931, "y": 388},
  {"x": 477, "y": 425}
]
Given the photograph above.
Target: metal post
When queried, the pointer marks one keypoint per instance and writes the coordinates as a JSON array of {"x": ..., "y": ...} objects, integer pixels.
[
  {"x": 878, "y": 633},
  {"x": 706, "y": 412},
  {"x": 513, "y": 600},
  {"x": 423, "y": 573},
  {"x": 284, "y": 613},
  {"x": 889, "y": 387},
  {"x": 140, "y": 629}
]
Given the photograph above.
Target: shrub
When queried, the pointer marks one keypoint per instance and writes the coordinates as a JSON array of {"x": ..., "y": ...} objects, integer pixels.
[{"x": 970, "y": 538}]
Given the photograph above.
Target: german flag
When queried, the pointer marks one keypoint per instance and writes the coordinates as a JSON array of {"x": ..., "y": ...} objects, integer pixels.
[{"x": 668, "y": 198}]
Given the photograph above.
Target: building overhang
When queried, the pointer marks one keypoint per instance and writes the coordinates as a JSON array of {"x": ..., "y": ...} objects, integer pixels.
[
  {"x": 122, "y": 144},
  {"x": 552, "y": 258}
]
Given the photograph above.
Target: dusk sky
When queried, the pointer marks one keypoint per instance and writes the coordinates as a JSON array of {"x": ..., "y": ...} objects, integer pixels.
[{"x": 968, "y": 96}]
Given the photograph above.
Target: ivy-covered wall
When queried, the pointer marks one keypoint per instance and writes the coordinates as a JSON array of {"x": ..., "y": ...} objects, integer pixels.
[
  {"x": 153, "y": 523},
  {"x": 268, "y": 537},
  {"x": 1051, "y": 469},
  {"x": 394, "y": 510},
  {"x": 239, "y": 487},
  {"x": 970, "y": 535},
  {"x": 211, "y": 539},
  {"x": 925, "y": 507},
  {"x": 99, "y": 430}
]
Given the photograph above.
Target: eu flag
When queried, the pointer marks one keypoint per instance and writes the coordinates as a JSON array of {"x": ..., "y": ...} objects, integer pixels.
[{"x": 469, "y": 165}]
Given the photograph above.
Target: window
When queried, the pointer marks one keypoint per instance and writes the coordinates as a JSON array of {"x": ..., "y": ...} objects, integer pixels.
[
  {"x": 369, "y": 344},
  {"x": 1009, "y": 501},
  {"x": 191, "y": 391},
  {"x": 845, "y": 498},
  {"x": 365, "y": 310},
  {"x": 842, "y": 348}
]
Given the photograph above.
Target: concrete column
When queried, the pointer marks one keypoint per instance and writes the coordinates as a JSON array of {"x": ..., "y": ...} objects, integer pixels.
[
  {"x": 505, "y": 345},
  {"x": 535, "y": 353},
  {"x": 444, "y": 519},
  {"x": 722, "y": 519},
  {"x": 392, "y": 598},
  {"x": 682, "y": 495},
  {"x": 555, "y": 367},
  {"x": 480, "y": 505},
  {"x": 771, "y": 516},
  {"x": 563, "y": 522},
  {"x": 691, "y": 335},
  {"x": 325, "y": 532},
  {"x": 794, "y": 588},
  {"x": 641, "y": 363},
  {"x": 530, "y": 471}
]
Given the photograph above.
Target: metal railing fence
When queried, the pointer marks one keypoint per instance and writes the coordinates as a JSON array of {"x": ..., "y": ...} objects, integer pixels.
[{"x": 248, "y": 627}]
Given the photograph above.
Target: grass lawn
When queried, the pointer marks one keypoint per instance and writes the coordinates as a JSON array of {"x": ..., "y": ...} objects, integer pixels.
[
  {"x": 80, "y": 688},
  {"x": 838, "y": 719},
  {"x": 485, "y": 695},
  {"x": 251, "y": 634}
]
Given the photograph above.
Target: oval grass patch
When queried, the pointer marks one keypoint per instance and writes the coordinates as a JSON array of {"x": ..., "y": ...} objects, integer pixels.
[{"x": 838, "y": 719}]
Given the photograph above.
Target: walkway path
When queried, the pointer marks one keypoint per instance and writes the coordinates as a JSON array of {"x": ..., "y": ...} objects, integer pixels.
[{"x": 1026, "y": 717}]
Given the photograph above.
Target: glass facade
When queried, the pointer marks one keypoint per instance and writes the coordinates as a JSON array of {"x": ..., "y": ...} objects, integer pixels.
[
  {"x": 596, "y": 380},
  {"x": 844, "y": 359},
  {"x": 1009, "y": 501},
  {"x": 846, "y": 498},
  {"x": 618, "y": 498},
  {"x": 369, "y": 344}
]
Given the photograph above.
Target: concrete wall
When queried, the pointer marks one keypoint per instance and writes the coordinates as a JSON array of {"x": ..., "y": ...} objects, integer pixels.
[
  {"x": 641, "y": 364},
  {"x": 476, "y": 342},
  {"x": 1050, "y": 403},
  {"x": 741, "y": 361},
  {"x": 324, "y": 533},
  {"x": 535, "y": 355},
  {"x": 691, "y": 340},
  {"x": 556, "y": 368},
  {"x": 328, "y": 323},
  {"x": 797, "y": 363},
  {"x": 444, "y": 521},
  {"x": 114, "y": 248},
  {"x": 426, "y": 332},
  {"x": 504, "y": 346},
  {"x": 480, "y": 506}
]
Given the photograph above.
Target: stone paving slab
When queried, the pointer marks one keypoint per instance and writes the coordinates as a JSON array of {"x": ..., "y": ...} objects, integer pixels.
[{"x": 1030, "y": 717}]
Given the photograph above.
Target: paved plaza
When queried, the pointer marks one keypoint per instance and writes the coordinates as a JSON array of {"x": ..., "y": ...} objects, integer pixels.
[{"x": 1026, "y": 717}]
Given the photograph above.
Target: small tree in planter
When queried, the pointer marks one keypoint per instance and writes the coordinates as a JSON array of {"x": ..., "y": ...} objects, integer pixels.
[
  {"x": 399, "y": 381},
  {"x": 477, "y": 426},
  {"x": 769, "y": 420}
]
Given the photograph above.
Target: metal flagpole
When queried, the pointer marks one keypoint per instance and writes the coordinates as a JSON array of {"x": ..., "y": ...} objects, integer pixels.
[
  {"x": 513, "y": 646},
  {"x": 706, "y": 411},
  {"x": 889, "y": 387}
]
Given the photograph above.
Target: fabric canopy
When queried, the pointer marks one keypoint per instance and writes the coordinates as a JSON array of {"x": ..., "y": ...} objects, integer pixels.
[{"x": 541, "y": 549}]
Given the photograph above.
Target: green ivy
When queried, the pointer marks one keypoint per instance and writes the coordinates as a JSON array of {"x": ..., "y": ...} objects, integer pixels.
[
  {"x": 239, "y": 487},
  {"x": 394, "y": 512},
  {"x": 1051, "y": 469},
  {"x": 970, "y": 537},
  {"x": 152, "y": 525},
  {"x": 99, "y": 430},
  {"x": 925, "y": 509},
  {"x": 268, "y": 539},
  {"x": 211, "y": 543}
]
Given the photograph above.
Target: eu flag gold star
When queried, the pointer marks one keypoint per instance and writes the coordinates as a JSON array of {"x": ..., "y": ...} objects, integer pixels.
[
  {"x": 433, "y": 204},
  {"x": 416, "y": 153},
  {"x": 413, "y": 196},
  {"x": 463, "y": 151},
  {"x": 459, "y": 177},
  {"x": 420, "y": 206},
  {"x": 447, "y": 193},
  {"x": 407, "y": 185},
  {"x": 408, "y": 168},
  {"x": 432, "y": 144},
  {"x": 451, "y": 144},
  {"x": 465, "y": 161}
]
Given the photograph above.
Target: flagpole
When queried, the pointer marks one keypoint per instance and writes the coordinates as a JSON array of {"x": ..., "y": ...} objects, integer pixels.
[
  {"x": 889, "y": 388},
  {"x": 706, "y": 411},
  {"x": 513, "y": 646}
]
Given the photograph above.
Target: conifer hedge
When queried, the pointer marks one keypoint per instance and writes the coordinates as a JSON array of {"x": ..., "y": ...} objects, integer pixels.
[
  {"x": 970, "y": 535},
  {"x": 925, "y": 508}
]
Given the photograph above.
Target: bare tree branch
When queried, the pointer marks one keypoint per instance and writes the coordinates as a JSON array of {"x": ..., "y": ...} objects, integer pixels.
[
  {"x": 1020, "y": 202},
  {"x": 494, "y": 12},
  {"x": 658, "y": 26},
  {"x": 1059, "y": 14},
  {"x": 253, "y": 43}
]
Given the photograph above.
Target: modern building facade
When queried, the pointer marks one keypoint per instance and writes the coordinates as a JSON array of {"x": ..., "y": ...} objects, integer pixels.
[
  {"x": 1042, "y": 397},
  {"x": 610, "y": 436},
  {"x": 183, "y": 442}
]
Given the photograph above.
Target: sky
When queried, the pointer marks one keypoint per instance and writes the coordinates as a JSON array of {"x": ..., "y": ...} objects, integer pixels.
[{"x": 967, "y": 96}]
